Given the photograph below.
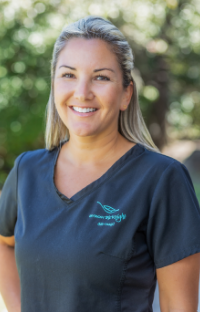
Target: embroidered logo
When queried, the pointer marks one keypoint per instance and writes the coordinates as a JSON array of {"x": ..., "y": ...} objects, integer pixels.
[{"x": 110, "y": 211}]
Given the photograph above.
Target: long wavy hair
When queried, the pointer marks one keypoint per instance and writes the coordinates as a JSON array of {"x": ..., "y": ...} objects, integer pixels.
[{"x": 131, "y": 124}]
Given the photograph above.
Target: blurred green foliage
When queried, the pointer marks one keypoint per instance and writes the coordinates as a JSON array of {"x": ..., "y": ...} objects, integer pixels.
[
  {"x": 197, "y": 190},
  {"x": 164, "y": 35}
]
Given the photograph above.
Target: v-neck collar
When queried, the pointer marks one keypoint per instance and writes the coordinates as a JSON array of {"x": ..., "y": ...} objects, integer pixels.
[{"x": 134, "y": 151}]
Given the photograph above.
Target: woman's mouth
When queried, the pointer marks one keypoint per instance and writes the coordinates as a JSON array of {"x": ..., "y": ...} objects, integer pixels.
[{"x": 83, "y": 111}]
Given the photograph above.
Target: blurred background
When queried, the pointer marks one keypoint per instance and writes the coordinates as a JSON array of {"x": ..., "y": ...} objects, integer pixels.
[{"x": 165, "y": 38}]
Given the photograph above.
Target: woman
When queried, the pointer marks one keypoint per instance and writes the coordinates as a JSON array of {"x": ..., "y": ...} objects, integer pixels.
[{"x": 99, "y": 213}]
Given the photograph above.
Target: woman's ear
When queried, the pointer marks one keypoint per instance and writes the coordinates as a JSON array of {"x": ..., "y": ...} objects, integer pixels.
[{"x": 127, "y": 97}]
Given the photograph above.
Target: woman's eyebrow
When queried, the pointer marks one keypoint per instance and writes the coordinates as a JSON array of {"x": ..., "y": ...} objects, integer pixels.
[
  {"x": 96, "y": 70},
  {"x": 67, "y": 67}
]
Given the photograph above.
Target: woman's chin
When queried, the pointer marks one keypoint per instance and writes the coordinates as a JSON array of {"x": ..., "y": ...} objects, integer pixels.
[{"x": 83, "y": 132}]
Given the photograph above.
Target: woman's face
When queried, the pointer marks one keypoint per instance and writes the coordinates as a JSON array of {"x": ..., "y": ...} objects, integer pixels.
[{"x": 88, "y": 88}]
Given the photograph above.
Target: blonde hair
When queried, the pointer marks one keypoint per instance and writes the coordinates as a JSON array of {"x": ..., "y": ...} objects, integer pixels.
[{"x": 131, "y": 123}]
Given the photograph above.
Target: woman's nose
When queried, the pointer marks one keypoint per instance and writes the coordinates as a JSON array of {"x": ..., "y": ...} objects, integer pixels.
[{"x": 83, "y": 91}]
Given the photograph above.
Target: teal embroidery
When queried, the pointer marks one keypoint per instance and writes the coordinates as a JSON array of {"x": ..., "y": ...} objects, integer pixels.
[
  {"x": 108, "y": 209},
  {"x": 117, "y": 218},
  {"x": 109, "y": 224}
]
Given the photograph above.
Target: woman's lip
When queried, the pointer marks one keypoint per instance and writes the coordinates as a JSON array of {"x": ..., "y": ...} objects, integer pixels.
[{"x": 82, "y": 114}]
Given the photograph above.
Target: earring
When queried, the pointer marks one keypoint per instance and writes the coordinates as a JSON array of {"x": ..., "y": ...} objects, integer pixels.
[{"x": 124, "y": 106}]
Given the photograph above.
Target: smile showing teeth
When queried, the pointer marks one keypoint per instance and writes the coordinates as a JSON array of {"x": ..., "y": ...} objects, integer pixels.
[{"x": 83, "y": 110}]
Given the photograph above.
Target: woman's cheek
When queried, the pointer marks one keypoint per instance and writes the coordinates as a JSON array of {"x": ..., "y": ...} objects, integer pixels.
[{"x": 61, "y": 93}]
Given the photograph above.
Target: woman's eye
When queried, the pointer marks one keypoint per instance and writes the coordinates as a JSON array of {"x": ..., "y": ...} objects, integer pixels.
[
  {"x": 102, "y": 77},
  {"x": 99, "y": 77},
  {"x": 68, "y": 75}
]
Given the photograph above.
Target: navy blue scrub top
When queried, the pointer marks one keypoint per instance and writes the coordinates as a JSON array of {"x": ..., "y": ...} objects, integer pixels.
[{"x": 99, "y": 250}]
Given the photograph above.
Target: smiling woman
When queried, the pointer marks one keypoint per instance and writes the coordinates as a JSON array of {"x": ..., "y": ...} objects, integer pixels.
[
  {"x": 96, "y": 45},
  {"x": 99, "y": 214},
  {"x": 81, "y": 92}
]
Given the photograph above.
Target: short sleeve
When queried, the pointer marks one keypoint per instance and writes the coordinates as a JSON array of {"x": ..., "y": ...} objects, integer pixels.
[
  {"x": 8, "y": 201},
  {"x": 173, "y": 229}
]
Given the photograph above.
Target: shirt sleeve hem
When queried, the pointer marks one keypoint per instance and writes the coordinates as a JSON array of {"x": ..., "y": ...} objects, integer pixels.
[
  {"x": 176, "y": 257},
  {"x": 7, "y": 234}
]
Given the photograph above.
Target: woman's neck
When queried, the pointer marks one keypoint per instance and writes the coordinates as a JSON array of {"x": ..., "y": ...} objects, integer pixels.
[{"x": 84, "y": 151}]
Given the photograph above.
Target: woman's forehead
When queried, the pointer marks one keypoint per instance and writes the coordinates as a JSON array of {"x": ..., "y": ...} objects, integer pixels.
[{"x": 90, "y": 51}]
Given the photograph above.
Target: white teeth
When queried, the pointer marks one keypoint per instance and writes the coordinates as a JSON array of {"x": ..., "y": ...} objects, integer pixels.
[{"x": 83, "y": 110}]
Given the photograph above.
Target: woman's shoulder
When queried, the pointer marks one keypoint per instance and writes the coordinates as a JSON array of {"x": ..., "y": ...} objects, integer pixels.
[
  {"x": 35, "y": 157},
  {"x": 158, "y": 160}
]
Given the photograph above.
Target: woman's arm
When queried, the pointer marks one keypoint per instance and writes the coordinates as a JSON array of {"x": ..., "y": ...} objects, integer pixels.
[
  {"x": 9, "y": 278},
  {"x": 178, "y": 285}
]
